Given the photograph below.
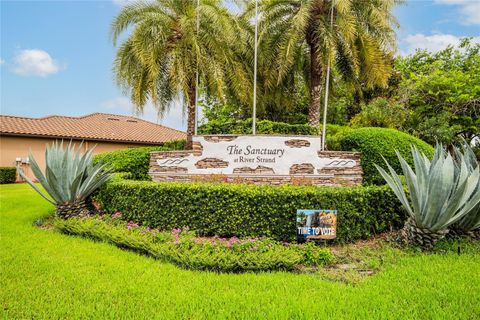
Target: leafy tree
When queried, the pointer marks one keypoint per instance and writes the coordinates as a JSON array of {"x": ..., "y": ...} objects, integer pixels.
[
  {"x": 443, "y": 91},
  {"x": 160, "y": 57},
  {"x": 381, "y": 112},
  {"x": 296, "y": 37}
]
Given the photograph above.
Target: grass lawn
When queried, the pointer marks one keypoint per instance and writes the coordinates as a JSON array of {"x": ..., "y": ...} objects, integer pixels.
[{"x": 45, "y": 274}]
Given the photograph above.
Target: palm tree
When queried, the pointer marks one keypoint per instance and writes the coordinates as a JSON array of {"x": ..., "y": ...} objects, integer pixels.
[
  {"x": 159, "y": 58},
  {"x": 359, "y": 45}
]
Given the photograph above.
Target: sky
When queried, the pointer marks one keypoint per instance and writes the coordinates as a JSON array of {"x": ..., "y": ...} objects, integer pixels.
[{"x": 56, "y": 56}]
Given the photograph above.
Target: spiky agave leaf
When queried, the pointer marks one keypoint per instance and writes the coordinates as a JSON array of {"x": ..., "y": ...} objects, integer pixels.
[
  {"x": 69, "y": 177},
  {"x": 471, "y": 221},
  {"x": 440, "y": 192}
]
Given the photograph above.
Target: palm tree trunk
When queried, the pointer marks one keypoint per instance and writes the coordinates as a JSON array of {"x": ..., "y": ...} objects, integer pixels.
[
  {"x": 190, "y": 117},
  {"x": 315, "y": 87}
]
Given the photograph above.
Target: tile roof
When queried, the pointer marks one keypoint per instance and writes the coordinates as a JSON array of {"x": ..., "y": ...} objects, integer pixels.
[{"x": 95, "y": 126}]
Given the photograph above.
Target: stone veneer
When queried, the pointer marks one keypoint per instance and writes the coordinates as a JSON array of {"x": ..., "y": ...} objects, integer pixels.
[
  {"x": 302, "y": 168},
  {"x": 211, "y": 163},
  {"x": 297, "y": 143},
  {"x": 344, "y": 169}
]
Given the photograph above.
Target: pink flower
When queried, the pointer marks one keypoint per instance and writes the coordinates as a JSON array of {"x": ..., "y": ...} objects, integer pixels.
[
  {"x": 117, "y": 215},
  {"x": 131, "y": 225},
  {"x": 232, "y": 241},
  {"x": 176, "y": 232}
]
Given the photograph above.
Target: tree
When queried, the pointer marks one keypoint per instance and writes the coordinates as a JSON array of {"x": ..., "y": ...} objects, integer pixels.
[
  {"x": 442, "y": 90},
  {"x": 381, "y": 112},
  {"x": 159, "y": 59},
  {"x": 359, "y": 45}
]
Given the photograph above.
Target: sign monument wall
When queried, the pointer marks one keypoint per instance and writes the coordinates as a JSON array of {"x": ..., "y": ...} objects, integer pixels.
[{"x": 260, "y": 159}]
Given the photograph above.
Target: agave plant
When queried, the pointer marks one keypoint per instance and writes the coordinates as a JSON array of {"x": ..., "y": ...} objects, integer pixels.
[
  {"x": 470, "y": 223},
  {"x": 441, "y": 192},
  {"x": 69, "y": 178}
]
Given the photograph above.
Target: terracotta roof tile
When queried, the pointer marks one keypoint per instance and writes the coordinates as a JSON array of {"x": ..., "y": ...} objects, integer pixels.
[{"x": 95, "y": 126}]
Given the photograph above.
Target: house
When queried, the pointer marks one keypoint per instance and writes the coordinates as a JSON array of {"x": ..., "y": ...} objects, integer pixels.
[{"x": 107, "y": 132}]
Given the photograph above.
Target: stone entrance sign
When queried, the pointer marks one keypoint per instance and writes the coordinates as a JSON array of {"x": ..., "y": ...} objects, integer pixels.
[{"x": 260, "y": 159}]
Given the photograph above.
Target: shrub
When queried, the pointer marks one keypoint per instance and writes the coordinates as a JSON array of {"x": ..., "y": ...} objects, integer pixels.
[
  {"x": 263, "y": 127},
  {"x": 183, "y": 249},
  {"x": 8, "y": 175},
  {"x": 135, "y": 161},
  {"x": 470, "y": 223},
  {"x": 70, "y": 178},
  {"x": 378, "y": 143},
  {"x": 381, "y": 112},
  {"x": 335, "y": 134},
  {"x": 441, "y": 192},
  {"x": 249, "y": 210}
]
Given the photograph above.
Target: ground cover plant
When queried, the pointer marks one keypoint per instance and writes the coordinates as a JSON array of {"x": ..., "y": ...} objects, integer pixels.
[
  {"x": 249, "y": 210},
  {"x": 45, "y": 275},
  {"x": 182, "y": 248}
]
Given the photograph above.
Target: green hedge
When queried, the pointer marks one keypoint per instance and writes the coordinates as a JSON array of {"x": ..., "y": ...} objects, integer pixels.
[
  {"x": 8, "y": 175},
  {"x": 135, "y": 161},
  {"x": 183, "y": 249},
  {"x": 378, "y": 143},
  {"x": 249, "y": 210},
  {"x": 263, "y": 127}
]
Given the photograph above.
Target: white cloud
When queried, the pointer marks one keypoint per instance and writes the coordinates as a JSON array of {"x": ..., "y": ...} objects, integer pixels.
[
  {"x": 469, "y": 10},
  {"x": 122, "y": 3},
  {"x": 122, "y": 105},
  {"x": 433, "y": 43},
  {"x": 2, "y": 61},
  {"x": 34, "y": 62}
]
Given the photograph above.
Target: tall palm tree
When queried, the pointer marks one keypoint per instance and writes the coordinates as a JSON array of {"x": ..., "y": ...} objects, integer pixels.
[
  {"x": 159, "y": 58},
  {"x": 359, "y": 45}
]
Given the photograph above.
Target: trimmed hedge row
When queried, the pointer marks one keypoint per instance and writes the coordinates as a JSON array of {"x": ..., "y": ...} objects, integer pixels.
[
  {"x": 249, "y": 210},
  {"x": 263, "y": 127},
  {"x": 135, "y": 161},
  {"x": 8, "y": 175},
  {"x": 375, "y": 144}
]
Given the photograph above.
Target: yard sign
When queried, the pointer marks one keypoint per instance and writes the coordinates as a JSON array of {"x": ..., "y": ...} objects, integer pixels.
[{"x": 316, "y": 224}]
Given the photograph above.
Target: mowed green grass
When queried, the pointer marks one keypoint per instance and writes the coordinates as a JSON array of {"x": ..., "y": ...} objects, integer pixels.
[{"x": 47, "y": 275}]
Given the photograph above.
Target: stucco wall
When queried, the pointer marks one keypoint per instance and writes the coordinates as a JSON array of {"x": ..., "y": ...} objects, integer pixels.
[{"x": 12, "y": 147}]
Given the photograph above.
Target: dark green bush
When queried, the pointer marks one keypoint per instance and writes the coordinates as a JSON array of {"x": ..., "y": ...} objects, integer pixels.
[
  {"x": 182, "y": 248},
  {"x": 263, "y": 127},
  {"x": 249, "y": 210},
  {"x": 375, "y": 143},
  {"x": 134, "y": 161},
  {"x": 335, "y": 134},
  {"x": 8, "y": 175}
]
